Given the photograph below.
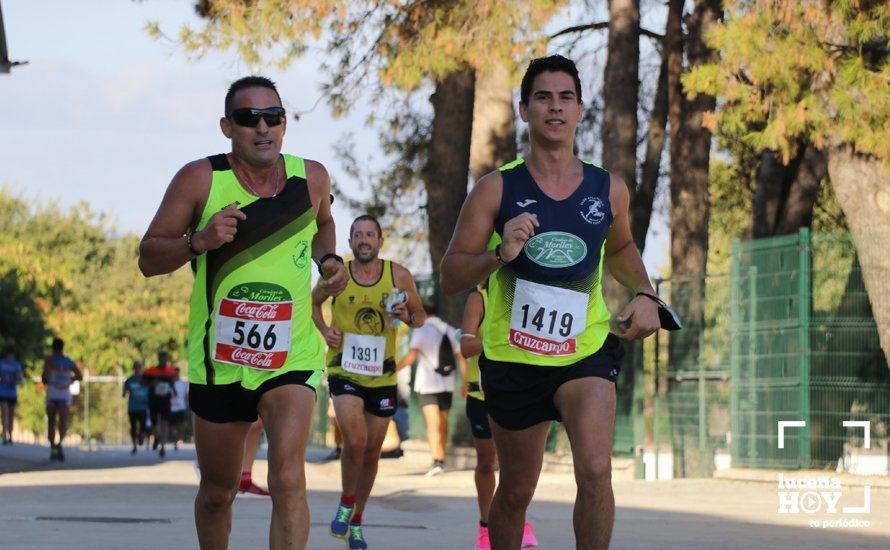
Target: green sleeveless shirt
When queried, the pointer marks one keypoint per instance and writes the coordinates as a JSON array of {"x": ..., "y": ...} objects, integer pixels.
[{"x": 251, "y": 307}]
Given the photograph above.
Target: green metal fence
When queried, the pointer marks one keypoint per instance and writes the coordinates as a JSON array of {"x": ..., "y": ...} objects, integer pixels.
[{"x": 789, "y": 335}]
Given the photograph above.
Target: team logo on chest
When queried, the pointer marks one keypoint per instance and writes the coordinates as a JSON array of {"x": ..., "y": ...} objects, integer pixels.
[
  {"x": 556, "y": 249},
  {"x": 369, "y": 321},
  {"x": 592, "y": 210}
]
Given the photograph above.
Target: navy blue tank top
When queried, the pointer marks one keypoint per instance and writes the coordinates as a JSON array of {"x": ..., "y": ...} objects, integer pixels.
[{"x": 586, "y": 215}]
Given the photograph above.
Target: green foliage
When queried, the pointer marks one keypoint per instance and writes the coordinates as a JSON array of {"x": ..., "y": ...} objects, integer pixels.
[
  {"x": 65, "y": 273},
  {"x": 399, "y": 43},
  {"x": 802, "y": 70}
]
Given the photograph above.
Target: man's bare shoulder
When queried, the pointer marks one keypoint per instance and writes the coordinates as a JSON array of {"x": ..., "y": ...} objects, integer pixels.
[
  {"x": 316, "y": 173},
  {"x": 400, "y": 273},
  {"x": 619, "y": 197},
  {"x": 486, "y": 194},
  {"x": 194, "y": 177}
]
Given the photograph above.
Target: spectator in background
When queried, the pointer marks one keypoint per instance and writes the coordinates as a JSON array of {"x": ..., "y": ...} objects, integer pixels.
[
  {"x": 437, "y": 353},
  {"x": 10, "y": 380}
]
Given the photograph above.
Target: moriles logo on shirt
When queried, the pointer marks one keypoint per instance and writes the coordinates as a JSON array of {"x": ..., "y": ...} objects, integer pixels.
[{"x": 556, "y": 249}]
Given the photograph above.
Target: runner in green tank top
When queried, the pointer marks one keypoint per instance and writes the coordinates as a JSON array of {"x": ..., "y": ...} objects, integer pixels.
[
  {"x": 547, "y": 352},
  {"x": 361, "y": 364},
  {"x": 251, "y": 222}
]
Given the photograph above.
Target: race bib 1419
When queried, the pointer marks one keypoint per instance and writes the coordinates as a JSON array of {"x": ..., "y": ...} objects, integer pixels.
[{"x": 545, "y": 320}]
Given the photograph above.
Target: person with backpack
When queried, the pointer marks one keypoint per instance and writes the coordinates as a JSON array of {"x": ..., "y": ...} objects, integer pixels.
[{"x": 437, "y": 352}]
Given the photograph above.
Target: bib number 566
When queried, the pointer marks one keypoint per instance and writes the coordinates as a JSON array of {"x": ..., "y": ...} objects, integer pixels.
[{"x": 253, "y": 337}]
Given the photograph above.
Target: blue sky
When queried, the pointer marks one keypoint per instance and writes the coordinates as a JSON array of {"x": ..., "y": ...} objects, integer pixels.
[{"x": 105, "y": 114}]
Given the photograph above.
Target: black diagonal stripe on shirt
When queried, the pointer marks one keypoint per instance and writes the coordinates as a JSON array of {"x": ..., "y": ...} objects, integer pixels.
[{"x": 265, "y": 217}]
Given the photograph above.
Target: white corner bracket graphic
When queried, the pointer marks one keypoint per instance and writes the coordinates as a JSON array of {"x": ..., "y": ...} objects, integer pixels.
[
  {"x": 866, "y": 503},
  {"x": 789, "y": 424},
  {"x": 865, "y": 424}
]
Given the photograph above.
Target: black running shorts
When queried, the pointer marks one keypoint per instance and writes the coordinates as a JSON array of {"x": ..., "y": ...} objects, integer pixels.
[
  {"x": 477, "y": 413},
  {"x": 519, "y": 396},
  {"x": 378, "y": 401},
  {"x": 226, "y": 403}
]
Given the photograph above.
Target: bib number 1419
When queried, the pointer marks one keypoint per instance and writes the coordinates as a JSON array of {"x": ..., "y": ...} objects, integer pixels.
[{"x": 544, "y": 318}]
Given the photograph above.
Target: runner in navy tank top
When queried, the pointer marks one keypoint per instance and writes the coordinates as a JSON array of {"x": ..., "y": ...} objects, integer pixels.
[{"x": 540, "y": 231}]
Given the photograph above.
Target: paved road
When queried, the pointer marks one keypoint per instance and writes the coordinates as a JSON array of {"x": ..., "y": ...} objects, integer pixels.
[{"x": 108, "y": 499}]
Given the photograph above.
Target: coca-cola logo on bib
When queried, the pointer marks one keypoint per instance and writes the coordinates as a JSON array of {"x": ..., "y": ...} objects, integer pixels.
[
  {"x": 253, "y": 358},
  {"x": 260, "y": 312}
]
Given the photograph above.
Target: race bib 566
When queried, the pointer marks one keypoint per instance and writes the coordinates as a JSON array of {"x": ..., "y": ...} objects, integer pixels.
[{"x": 253, "y": 334}]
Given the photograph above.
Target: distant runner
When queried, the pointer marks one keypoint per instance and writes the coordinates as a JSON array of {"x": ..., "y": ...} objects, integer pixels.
[{"x": 59, "y": 372}]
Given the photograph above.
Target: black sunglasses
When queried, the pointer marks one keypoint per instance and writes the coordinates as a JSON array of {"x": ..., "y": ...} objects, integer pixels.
[{"x": 250, "y": 117}]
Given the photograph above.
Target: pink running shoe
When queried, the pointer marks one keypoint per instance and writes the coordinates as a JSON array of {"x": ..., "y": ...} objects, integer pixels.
[
  {"x": 528, "y": 536},
  {"x": 482, "y": 540},
  {"x": 252, "y": 490}
]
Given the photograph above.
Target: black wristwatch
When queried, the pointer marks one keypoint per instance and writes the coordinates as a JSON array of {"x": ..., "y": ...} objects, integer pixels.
[{"x": 327, "y": 257}]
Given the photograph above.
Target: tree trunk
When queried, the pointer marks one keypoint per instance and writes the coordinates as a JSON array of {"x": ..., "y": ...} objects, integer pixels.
[
  {"x": 641, "y": 204},
  {"x": 447, "y": 171},
  {"x": 690, "y": 152},
  {"x": 621, "y": 84},
  {"x": 494, "y": 123},
  {"x": 862, "y": 186},
  {"x": 797, "y": 211},
  {"x": 784, "y": 196},
  {"x": 769, "y": 185}
]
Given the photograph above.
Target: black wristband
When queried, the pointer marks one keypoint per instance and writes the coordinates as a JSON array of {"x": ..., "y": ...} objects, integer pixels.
[
  {"x": 652, "y": 297},
  {"x": 188, "y": 241},
  {"x": 327, "y": 257},
  {"x": 497, "y": 255}
]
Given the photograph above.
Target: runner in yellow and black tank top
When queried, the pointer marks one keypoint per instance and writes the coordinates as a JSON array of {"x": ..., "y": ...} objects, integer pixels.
[
  {"x": 366, "y": 354},
  {"x": 361, "y": 361}
]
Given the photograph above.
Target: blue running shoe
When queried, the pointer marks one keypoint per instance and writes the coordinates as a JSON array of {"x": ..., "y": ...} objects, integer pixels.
[
  {"x": 356, "y": 540},
  {"x": 340, "y": 525}
]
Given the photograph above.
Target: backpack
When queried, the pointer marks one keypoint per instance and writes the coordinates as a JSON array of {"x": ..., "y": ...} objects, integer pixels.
[{"x": 446, "y": 364}]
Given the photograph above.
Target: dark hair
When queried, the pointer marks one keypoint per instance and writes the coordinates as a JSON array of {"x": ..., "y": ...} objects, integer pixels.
[
  {"x": 9, "y": 350},
  {"x": 248, "y": 82},
  {"x": 58, "y": 344},
  {"x": 553, "y": 64},
  {"x": 366, "y": 218}
]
